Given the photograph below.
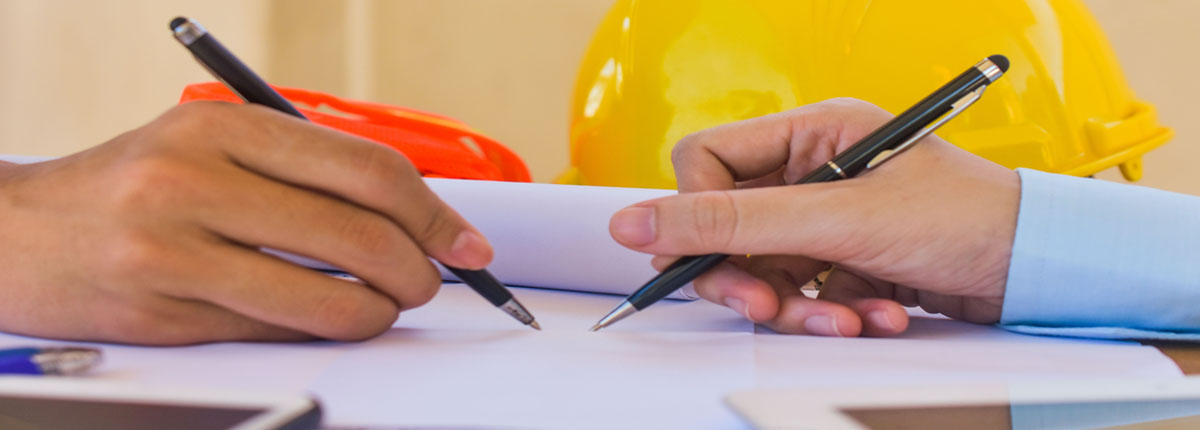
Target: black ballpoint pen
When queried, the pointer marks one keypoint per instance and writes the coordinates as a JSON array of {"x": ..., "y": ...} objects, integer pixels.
[
  {"x": 246, "y": 84},
  {"x": 888, "y": 140}
]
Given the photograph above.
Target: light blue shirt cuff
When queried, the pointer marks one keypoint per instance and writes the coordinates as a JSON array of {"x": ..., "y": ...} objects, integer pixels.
[{"x": 1104, "y": 260}]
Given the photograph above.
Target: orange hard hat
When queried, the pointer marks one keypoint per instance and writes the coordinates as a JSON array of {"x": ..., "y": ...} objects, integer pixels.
[{"x": 437, "y": 145}]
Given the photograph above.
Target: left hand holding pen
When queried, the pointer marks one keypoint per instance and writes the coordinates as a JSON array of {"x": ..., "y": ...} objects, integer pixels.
[{"x": 932, "y": 228}]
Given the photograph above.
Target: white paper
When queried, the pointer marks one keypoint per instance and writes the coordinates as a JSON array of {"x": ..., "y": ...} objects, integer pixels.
[
  {"x": 552, "y": 236},
  {"x": 458, "y": 308},
  {"x": 547, "y": 235},
  {"x": 521, "y": 379},
  {"x": 718, "y": 351},
  {"x": 939, "y": 350},
  {"x": 459, "y": 362}
]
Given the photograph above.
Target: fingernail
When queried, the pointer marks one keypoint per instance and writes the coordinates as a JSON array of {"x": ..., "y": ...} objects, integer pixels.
[
  {"x": 468, "y": 248},
  {"x": 880, "y": 319},
  {"x": 634, "y": 226},
  {"x": 739, "y": 305},
  {"x": 823, "y": 325}
]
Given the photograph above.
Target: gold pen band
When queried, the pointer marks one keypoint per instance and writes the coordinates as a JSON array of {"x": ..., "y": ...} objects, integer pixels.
[{"x": 837, "y": 169}]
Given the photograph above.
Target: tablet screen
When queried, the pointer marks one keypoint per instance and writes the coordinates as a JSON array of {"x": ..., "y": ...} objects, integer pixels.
[
  {"x": 1139, "y": 414},
  {"x": 28, "y": 413}
]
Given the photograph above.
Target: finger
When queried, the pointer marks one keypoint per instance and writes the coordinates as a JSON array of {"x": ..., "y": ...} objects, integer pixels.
[
  {"x": 737, "y": 282},
  {"x": 256, "y": 211},
  {"x": 778, "y": 304},
  {"x": 812, "y": 220},
  {"x": 370, "y": 175},
  {"x": 215, "y": 324},
  {"x": 168, "y": 321},
  {"x": 801, "y": 138},
  {"x": 729, "y": 285},
  {"x": 660, "y": 262},
  {"x": 715, "y": 159},
  {"x": 276, "y": 292},
  {"x": 192, "y": 322},
  {"x": 773, "y": 179},
  {"x": 802, "y": 315},
  {"x": 785, "y": 273},
  {"x": 880, "y": 316},
  {"x": 798, "y": 314}
]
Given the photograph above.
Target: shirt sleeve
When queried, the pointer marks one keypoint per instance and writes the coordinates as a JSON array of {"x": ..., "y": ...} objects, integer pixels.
[{"x": 1104, "y": 260}]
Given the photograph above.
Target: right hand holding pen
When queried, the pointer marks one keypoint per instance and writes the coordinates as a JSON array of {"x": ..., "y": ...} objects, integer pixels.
[
  {"x": 932, "y": 228},
  {"x": 153, "y": 237}
]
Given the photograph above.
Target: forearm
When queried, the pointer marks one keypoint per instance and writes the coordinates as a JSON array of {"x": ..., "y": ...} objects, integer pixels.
[{"x": 1098, "y": 259}]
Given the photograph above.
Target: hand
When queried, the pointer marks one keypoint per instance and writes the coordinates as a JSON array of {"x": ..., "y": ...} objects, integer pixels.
[
  {"x": 933, "y": 227},
  {"x": 153, "y": 236}
]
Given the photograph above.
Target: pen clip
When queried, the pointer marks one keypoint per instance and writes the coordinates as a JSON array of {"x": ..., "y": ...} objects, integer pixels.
[{"x": 955, "y": 109}]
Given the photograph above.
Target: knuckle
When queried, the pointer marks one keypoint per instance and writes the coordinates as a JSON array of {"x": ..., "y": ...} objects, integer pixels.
[
  {"x": 438, "y": 222},
  {"x": 685, "y": 147},
  {"x": 371, "y": 236},
  {"x": 348, "y": 317},
  {"x": 789, "y": 323},
  {"x": 422, "y": 286},
  {"x": 423, "y": 293},
  {"x": 142, "y": 324},
  {"x": 197, "y": 116},
  {"x": 708, "y": 290},
  {"x": 791, "y": 316},
  {"x": 132, "y": 255},
  {"x": 844, "y": 100},
  {"x": 714, "y": 220},
  {"x": 151, "y": 182},
  {"x": 384, "y": 168},
  {"x": 853, "y": 106},
  {"x": 847, "y": 102},
  {"x": 130, "y": 320}
]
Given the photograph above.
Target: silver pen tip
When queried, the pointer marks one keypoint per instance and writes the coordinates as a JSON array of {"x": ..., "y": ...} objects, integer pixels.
[
  {"x": 514, "y": 309},
  {"x": 535, "y": 325},
  {"x": 626, "y": 309}
]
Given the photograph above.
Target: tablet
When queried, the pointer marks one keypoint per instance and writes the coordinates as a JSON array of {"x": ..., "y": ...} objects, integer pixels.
[
  {"x": 59, "y": 403},
  {"x": 1124, "y": 404}
]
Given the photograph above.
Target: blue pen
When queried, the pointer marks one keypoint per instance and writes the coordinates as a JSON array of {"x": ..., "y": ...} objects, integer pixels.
[{"x": 48, "y": 361}]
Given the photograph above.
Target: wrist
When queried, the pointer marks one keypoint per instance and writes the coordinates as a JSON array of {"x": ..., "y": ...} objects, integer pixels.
[
  {"x": 1006, "y": 232},
  {"x": 8, "y": 175},
  {"x": 6, "y": 170}
]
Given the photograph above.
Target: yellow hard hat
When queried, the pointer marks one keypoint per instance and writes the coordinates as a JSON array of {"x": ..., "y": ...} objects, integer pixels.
[{"x": 658, "y": 70}]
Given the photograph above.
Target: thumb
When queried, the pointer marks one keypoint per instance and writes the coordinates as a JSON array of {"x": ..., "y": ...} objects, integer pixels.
[{"x": 807, "y": 220}]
